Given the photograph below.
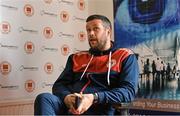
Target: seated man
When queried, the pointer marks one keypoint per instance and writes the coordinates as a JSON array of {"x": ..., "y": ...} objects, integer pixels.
[{"x": 100, "y": 77}]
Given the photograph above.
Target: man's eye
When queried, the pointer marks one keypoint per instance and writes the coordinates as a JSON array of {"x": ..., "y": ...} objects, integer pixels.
[
  {"x": 88, "y": 30},
  {"x": 96, "y": 28}
]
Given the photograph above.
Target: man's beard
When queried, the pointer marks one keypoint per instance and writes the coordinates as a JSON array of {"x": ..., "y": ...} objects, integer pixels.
[{"x": 100, "y": 45}]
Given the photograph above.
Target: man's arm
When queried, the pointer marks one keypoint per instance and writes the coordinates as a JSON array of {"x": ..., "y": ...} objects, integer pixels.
[
  {"x": 60, "y": 88},
  {"x": 127, "y": 85}
]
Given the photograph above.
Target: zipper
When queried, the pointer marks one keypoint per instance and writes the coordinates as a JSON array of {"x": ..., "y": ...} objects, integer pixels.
[{"x": 86, "y": 85}]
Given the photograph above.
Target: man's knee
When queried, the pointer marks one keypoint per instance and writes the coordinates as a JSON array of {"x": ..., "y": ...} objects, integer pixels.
[
  {"x": 43, "y": 104},
  {"x": 42, "y": 97},
  {"x": 47, "y": 103}
]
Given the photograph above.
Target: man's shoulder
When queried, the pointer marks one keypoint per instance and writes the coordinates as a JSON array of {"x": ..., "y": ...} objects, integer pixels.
[
  {"x": 79, "y": 53},
  {"x": 81, "y": 56},
  {"x": 124, "y": 50}
]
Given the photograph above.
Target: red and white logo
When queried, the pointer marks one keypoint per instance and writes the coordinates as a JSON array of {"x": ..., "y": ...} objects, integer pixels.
[
  {"x": 65, "y": 49},
  {"x": 48, "y": 32},
  {"x": 64, "y": 16},
  {"x": 29, "y": 85},
  {"x": 48, "y": 1},
  {"x": 113, "y": 63},
  {"x": 29, "y": 47},
  {"x": 28, "y": 10},
  {"x": 82, "y": 36},
  {"x": 5, "y": 68},
  {"x": 48, "y": 67},
  {"x": 81, "y": 4},
  {"x": 5, "y": 27}
]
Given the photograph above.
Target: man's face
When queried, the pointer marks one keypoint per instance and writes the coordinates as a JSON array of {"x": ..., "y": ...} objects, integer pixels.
[{"x": 98, "y": 35}]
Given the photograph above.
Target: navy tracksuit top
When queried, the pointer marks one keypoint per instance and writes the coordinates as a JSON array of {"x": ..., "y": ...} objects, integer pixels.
[{"x": 123, "y": 77}]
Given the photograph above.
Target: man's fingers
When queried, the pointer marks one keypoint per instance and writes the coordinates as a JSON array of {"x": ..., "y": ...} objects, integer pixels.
[
  {"x": 73, "y": 110},
  {"x": 79, "y": 95},
  {"x": 81, "y": 109}
]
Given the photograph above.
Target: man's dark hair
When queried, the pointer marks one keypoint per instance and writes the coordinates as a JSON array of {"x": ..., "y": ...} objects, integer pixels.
[{"x": 105, "y": 20}]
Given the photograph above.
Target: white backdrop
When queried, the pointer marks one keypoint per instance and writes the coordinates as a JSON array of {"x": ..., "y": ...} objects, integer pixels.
[{"x": 36, "y": 38}]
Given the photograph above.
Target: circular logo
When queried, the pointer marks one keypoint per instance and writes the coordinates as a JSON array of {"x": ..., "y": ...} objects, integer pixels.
[
  {"x": 113, "y": 62},
  {"x": 64, "y": 16},
  {"x": 81, "y": 4},
  {"x": 82, "y": 36},
  {"x": 29, "y": 85},
  {"x": 48, "y": 67},
  {"x": 5, "y": 68},
  {"x": 28, "y": 10},
  {"x": 5, "y": 27},
  {"x": 48, "y": 33},
  {"x": 65, "y": 49},
  {"x": 48, "y": 1},
  {"x": 29, "y": 47}
]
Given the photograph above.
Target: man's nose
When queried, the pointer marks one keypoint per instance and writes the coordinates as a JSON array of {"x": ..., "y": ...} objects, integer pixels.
[{"x": 91, "y": 33}]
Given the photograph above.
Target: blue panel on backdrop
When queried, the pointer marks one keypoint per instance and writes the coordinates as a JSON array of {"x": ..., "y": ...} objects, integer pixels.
[
  {"x": 152, "y": 29},
  {"x": 137, "y": 21}
]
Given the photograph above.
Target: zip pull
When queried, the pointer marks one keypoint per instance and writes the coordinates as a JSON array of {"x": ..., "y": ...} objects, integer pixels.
[{"x": 109, "y": 68}]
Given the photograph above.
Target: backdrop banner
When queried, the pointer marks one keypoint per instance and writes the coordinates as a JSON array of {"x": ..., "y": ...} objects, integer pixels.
[
  {"x": 36, "y": 38},
  {"x": 151, "y": 28}
]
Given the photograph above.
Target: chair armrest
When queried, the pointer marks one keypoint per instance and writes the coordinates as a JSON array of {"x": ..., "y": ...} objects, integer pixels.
[
  {"x": 122, "y": 105},
  {"x": 122, "y": 108}
]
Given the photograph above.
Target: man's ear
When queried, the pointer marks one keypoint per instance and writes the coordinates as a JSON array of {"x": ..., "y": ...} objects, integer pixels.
[{"x": 109, "y": 31}]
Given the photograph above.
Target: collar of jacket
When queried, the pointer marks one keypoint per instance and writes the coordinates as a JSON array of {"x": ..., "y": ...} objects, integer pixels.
[{"x": 97, "y": 52}]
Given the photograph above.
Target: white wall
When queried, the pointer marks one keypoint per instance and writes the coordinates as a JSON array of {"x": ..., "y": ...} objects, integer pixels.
[{"x": 104, "y": 7}]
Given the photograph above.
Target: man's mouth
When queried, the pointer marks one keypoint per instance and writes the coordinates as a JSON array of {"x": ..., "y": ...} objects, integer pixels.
[{"x": 92, "y": 40}]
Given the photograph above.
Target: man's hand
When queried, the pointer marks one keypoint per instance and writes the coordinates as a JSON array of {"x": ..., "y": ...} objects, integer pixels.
[
  {"x": 86, "y": 102},
  {"x": 69, "y": 100}
]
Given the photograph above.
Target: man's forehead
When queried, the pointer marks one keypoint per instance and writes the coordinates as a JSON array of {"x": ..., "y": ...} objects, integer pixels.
[{"x": 94, "y": 22}]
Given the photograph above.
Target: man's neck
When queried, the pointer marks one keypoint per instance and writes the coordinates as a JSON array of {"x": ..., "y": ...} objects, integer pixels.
[{"x": 107, "y": 47}]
